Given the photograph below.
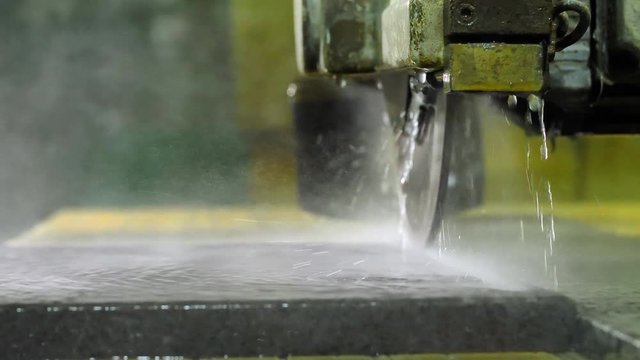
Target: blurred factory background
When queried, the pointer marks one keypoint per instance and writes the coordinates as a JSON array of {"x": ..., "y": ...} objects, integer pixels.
[{"x": 174, "y": 102}]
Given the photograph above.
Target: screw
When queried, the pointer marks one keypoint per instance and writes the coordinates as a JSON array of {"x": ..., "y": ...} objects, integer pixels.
[{"x": 466, "y": 14}]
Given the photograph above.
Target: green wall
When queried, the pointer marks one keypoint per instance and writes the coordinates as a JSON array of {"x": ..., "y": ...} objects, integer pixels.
[
  {"x": 587, "y": 168},
  {"x": 264, "y": 65}
]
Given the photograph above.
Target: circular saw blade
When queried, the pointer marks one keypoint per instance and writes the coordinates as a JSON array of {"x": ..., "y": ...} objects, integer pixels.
[{"x": 423, "y": 175}]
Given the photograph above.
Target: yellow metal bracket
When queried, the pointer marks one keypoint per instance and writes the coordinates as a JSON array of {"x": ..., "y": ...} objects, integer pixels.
[{"x": 496, "y": 67}]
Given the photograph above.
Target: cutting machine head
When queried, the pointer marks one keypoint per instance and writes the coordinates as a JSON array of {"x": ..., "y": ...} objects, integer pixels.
[{"x": 554, "y": 64}]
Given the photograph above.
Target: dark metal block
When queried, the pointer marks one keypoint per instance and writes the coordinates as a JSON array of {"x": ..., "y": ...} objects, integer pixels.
[{"x": 498, "y": 17}]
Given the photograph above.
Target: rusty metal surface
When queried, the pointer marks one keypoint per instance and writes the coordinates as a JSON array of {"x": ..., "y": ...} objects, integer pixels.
[
  {"x": 339, "y": 36},
  {"x": 496, "y": 67},
  {"x": 413, "y": 34}
]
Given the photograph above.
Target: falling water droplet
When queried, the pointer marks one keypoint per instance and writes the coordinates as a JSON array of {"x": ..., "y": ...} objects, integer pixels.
[
  {"x": 512, "y": 101},
  {"x": 528, "y": 169},
  {"x": 536, "y": 106},
  {"x": 292, "y": 90},
  {"x": 552, "y": 230},
  {"x": 422, "y": 78},
  {"x": 546, "y": 263},
  {"x": 544, "y": 149},
  {"x": 551, "y": 237},
  {"x": 539, "y": 212}
]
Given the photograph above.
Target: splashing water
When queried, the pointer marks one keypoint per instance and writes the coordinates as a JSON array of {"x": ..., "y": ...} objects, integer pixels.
[
  {"x": 407, "y": 152},
  {"x": 403, "y": 221},
  {"x": 407, "y": 138},
  {"x": 406, "y": 148},
  {"x": 551, "y": 237},
  {"x": 536, "y": 107},
  {"x": 406, "y": 144},
  {"x": 544, "y": 149},
  {"x": 544, "y": 205},
  {"x": 552, "y": 230},
  {"x": 551, "y": 267},
  {"x": 528, "y": 169}
]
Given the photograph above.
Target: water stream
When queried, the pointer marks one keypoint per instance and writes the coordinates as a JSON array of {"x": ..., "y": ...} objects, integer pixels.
[
  {"x": 547, "y": 221},
  {"x": 406, "y": 143}
]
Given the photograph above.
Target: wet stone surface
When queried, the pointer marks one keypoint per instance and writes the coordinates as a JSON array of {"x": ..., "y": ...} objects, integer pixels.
[
  {"x": 264, "y": 299},
  {"x": 229, "y": 272}
]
